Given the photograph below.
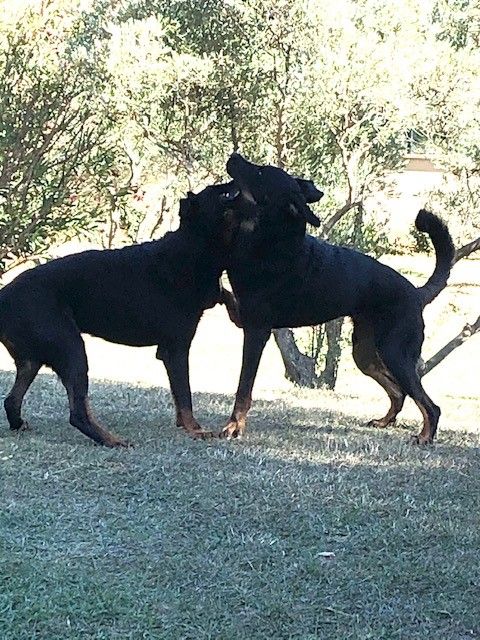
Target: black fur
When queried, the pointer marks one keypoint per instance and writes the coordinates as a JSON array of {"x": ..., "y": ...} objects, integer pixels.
[
  {"x": 147, "y": 294},
  {"x": 444, "y": 250},
  {"x": 282, "y": 278}
]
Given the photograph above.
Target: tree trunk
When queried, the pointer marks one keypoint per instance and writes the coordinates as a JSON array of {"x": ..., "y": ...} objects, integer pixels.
[
  {"x": 333, "y": 329},
  {"x": 467, "y": 331},
  {"x": 299, "y": 368}
]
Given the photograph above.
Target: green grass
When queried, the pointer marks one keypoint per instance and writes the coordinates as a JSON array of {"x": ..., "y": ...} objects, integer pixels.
[{"x": 185, "y": 539}]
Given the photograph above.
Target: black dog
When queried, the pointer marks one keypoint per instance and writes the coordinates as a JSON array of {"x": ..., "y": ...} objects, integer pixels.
[
  {"x": 282, "y": 278},
  {"x": 147, "y": 294}
]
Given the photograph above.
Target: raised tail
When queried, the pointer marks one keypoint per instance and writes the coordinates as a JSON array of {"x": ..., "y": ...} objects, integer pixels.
[{"x": 444, "y": 251}]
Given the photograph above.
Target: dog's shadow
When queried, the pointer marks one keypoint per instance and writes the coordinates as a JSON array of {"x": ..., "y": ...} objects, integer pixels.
[{"x": 146, "y": 415}]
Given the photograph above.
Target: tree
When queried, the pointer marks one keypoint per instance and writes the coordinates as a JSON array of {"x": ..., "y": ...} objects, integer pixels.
[
  {"x": 336, "y": 87},
  {"x": 172, "y": 83},
  {"x": 447, "y": 90},
  {"x": 54, "y": 126}
]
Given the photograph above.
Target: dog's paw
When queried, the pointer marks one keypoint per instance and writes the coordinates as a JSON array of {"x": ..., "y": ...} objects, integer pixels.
[
  {"x": 119, "y": 443},
  {"x": 232, "y": 429},
  {"x": 24, "y": 426},
  {"x": 380, "y": 423}
]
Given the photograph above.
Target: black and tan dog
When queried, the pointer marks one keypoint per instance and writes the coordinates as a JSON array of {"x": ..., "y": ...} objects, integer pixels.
[
  {"x": 147, "y": 294},
  {"x": 284, "y": 278}
]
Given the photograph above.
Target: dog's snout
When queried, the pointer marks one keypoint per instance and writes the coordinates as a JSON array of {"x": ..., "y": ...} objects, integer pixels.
[{"x": 235, "y": 162}]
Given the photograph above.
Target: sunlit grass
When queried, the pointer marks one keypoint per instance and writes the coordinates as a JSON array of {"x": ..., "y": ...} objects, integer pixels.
[{"x": 312, "y": 527}]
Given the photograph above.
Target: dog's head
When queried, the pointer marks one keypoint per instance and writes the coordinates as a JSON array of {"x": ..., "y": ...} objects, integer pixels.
[
  {"x": 268, "y": 186},
  {"x": 209, "y": 213}
]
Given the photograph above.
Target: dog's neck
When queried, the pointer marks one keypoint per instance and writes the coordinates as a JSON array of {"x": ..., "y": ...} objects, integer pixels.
[{"x": 266, "y": 229}]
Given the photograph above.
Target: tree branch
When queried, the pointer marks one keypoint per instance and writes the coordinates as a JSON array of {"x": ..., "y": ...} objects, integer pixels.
[
  {"x": 466, "y": 250},
  {"x": 299, "y": 368},
  {"x": 332, "y": 221},
  {"x": 467, "y": 332}
]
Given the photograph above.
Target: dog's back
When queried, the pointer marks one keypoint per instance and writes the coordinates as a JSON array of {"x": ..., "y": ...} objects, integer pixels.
[
  {"x": 132, "y": 295},
  {"x": 315, "y": 283},
  {"x": 343, "y": 282}
]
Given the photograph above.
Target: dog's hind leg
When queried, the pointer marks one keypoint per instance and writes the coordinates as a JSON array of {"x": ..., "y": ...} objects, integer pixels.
[
  {"x": 26, "y": 372},
  {"x": 400, "y": 351},
  {"x": 70, "y": 364},
  {"x": 409, "y": 381},
  {"x": 369, "y": 362},
  {"x": 394, "y": 392}
]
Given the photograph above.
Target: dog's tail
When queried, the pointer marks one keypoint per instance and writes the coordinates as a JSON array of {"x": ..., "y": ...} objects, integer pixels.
[{"x": 444, "y": 251}]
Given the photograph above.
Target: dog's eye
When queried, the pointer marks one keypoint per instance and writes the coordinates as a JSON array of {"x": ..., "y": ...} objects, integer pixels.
[{"x": 229, "y": 195}]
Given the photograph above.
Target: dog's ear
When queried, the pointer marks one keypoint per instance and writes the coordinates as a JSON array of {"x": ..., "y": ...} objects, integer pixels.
[
  {"x": 309, "y": 190},
  {"x": 187, "y": 205},
  {"x": 300, "y": 209}
]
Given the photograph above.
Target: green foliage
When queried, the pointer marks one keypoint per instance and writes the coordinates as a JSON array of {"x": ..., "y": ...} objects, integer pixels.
[
  {"x": 458, "y": 22},
  {"x": 362, "y": 232},
  {"x": 350, "y": 129},
  {"x": 55, "y": 120},
  {"x": 98, "y": 105},
  {"x": 458, "y": 199},
  {"x": 447, "y": 91}
]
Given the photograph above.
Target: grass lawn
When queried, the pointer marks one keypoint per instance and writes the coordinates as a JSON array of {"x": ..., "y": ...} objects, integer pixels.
[
  {"x": 185, "y": 539},
  {"x": 312, "y": 527}
]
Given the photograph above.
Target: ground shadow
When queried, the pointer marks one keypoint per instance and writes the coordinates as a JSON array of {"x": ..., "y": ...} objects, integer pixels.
[
  {"x": 132, "y": 411},
  {"x": 311, "y": 527}
]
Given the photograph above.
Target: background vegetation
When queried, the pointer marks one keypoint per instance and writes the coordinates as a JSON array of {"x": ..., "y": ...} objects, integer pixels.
[{"x": 110, "y": 110}]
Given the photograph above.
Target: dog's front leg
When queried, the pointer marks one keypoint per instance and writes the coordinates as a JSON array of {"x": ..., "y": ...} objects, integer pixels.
[
  {"x": 254, "y": 341},
  {"x": 176, "y": 364}
]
